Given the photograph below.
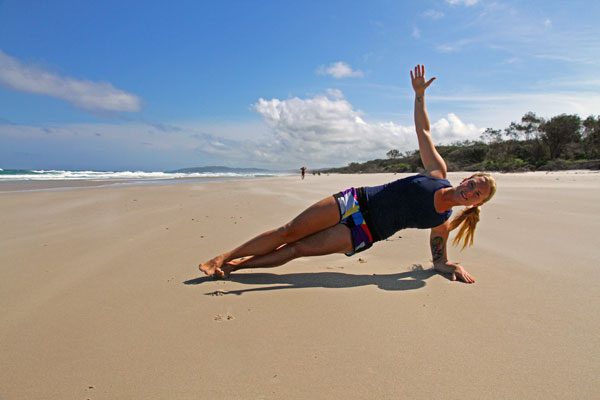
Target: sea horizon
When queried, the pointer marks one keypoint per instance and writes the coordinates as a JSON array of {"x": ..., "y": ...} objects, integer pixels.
[{"x": 14, "y": 175}]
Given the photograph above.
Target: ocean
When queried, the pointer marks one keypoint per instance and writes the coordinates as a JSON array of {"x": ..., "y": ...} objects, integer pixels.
[{"x": 61, "y": 179}]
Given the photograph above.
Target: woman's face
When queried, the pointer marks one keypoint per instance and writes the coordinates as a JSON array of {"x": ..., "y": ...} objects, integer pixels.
[{"x": 472, "y": 191}]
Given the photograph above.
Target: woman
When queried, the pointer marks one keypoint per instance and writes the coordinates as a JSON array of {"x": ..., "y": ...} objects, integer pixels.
[{"x": 351, "y": 221}]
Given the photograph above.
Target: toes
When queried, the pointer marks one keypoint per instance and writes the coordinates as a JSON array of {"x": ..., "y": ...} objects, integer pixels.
[{"x": 219, "y": 273}]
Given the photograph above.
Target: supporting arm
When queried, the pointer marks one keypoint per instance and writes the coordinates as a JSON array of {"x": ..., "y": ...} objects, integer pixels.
[{"x": 437, "y": 242}]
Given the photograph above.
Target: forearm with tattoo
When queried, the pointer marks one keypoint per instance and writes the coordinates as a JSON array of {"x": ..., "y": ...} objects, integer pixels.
[{"x": 437, "y": 248}]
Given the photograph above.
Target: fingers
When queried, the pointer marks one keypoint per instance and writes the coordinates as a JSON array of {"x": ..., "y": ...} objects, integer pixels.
[
  {"x": 465, "y": 277},
  {"x": 418, "y": 79},
  {"x": 419, "y": 72}
]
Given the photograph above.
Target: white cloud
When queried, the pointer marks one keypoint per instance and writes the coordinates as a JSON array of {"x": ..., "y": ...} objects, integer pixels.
[
  {"x": 339, "y": 70},
  {"x": 486, "y": 29},
  {"x": 452, "y": 129},
  {"x": 416, "y": 33},
  {"x": 93, "y": 96},
  {"x": 512, "y": 60},
  {"x": 433, "y": 14},
  {"x": 464, "y": 2},
  {"x": 454, "y": 46},
  {"x": 335, "y": 93},
  {"x": 328, "y": 131},
  {"x": 500, "y": 109},
  {"x": 125, "y": 146},
  {"x": 586, "y": 84},
  {"x": 325, "y": 130},
  {"x": 582, "y": 59}
]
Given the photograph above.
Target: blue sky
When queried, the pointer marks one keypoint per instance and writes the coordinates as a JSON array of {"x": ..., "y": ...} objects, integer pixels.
[{"x": 154, "y": 85}]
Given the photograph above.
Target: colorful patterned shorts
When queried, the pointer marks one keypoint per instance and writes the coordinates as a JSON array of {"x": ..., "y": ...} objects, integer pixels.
[{"x": 351, "y": 216}]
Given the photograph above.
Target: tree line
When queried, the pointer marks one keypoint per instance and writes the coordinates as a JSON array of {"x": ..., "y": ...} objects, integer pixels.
[{"x": 562, "y": 142}]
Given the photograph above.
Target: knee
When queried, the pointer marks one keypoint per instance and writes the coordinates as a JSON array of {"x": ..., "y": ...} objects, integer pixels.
[
  {"x": 296, "y": 250},
  {"x": 289, "y": 232}
]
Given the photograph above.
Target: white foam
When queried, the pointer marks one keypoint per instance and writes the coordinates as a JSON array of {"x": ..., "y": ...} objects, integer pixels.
[{"x": 52, "y": 175}]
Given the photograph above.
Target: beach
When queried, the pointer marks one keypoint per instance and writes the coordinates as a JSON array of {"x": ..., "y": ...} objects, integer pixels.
[{"x": 102, "y": 297}]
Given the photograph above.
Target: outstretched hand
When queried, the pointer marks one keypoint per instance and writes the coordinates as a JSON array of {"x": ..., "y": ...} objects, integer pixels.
[{"x": 419, "y": 83}]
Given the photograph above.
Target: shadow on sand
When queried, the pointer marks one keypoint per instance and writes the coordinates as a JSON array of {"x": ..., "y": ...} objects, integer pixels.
[{"x": 410, "y": 280}]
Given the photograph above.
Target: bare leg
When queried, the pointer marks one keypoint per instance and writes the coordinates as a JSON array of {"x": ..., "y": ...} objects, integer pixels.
[
  {"x": 336, "y": 239},
  {"x": 319, "y": 216}
]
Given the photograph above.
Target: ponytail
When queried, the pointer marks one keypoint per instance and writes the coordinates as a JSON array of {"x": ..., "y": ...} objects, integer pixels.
[
  {"x": 469, "y": 217},
  {"x": 467, "y": 220}
]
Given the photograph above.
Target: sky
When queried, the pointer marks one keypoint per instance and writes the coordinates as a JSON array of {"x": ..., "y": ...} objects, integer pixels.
[{"x": 157, "y": 86}]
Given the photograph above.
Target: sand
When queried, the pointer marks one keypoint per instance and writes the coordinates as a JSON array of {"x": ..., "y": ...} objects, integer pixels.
[{"x": 102, "y": 299}]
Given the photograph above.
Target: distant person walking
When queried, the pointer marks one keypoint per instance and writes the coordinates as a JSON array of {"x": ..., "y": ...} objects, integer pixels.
[
  {"x": 303, "y": 171},
  {"x": 352, "y": 220}
]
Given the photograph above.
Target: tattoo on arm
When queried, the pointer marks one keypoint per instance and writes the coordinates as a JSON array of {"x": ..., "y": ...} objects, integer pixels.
[
  {"x": 420, "y": 98},
  {"x": 437, "y": 248}
]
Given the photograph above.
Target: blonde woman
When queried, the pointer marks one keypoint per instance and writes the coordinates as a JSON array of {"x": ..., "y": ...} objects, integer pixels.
[{"x": 351, "y": 221}]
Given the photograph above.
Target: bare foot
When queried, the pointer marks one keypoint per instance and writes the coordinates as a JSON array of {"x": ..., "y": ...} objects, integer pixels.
[
  {"x": 212, "y": 267},
  {"x": 231, "y": 266},
  {"x": 227, "y": 269}
]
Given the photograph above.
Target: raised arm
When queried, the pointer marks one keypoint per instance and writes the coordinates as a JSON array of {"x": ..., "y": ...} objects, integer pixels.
[
  {"x": 437, "y": 241},
  {"x": 432, "y": 161}
]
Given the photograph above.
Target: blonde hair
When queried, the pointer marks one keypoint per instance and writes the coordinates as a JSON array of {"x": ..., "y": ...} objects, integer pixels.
[{"x": 469, "y": 217}]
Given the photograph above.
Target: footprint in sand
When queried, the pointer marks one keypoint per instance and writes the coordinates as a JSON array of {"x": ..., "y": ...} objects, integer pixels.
[{"x": 221, "y": 317}]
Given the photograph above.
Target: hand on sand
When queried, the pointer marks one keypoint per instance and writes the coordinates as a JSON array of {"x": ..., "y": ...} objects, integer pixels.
[{"x": 461, "y": 274}]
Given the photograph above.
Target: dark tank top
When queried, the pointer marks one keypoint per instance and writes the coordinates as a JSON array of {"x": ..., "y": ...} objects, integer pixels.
[{"x": 405, "y": 203}]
